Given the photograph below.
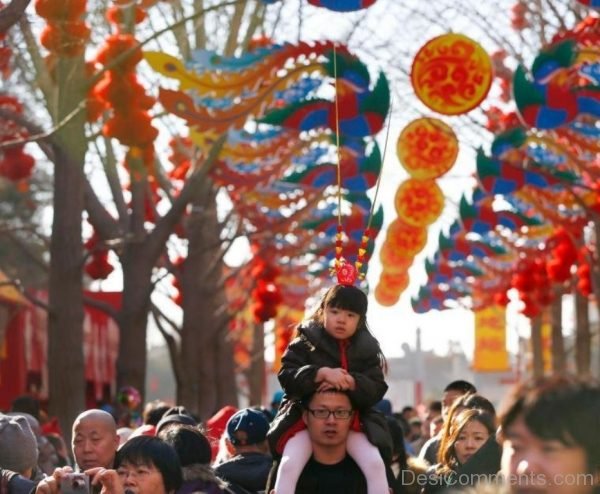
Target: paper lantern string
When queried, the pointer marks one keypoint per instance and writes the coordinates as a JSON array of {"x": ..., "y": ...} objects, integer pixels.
[{"x": 347, "y": 273}]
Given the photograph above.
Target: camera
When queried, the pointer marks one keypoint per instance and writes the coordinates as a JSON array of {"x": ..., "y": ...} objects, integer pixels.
[{"x": 75, "y": 483}]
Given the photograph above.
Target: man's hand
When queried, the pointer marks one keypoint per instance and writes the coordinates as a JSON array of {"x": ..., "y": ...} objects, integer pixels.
[{"x": 51, "y": 484}]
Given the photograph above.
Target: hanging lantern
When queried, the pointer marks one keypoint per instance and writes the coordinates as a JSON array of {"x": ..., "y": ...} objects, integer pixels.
[
  {"x": 406, "y": 240},
  {"x": 419, "y": 202},
  {"x": 427, "y": 148},
  {"x": 385, "y": 297},
  {"x": 394, "y": 282},
  {"x": 451, "y": 74}
]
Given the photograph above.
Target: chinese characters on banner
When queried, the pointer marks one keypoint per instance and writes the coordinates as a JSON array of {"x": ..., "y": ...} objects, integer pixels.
[{"x": 490, "y": 354}]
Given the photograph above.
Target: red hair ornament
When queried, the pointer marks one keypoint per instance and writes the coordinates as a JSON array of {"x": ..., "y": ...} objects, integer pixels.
[{"x": 347, "y": 274}]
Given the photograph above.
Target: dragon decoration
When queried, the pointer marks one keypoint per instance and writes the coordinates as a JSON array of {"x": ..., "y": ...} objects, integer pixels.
[
  {"x": 522, "y": 226},
  {"x": 279, "y": 166}
]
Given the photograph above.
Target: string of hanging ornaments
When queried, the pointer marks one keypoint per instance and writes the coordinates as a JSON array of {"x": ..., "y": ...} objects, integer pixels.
[{"x": 346, "y": 272}]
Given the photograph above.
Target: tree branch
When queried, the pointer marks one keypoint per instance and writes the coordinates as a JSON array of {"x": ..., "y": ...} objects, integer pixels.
[
  {"x": 164, "y": 227},
  {"x": 105, "y": 307},
  {"x": 11, "y": 14}
]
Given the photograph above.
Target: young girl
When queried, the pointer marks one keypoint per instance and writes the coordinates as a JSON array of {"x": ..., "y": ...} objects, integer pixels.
[{"x": 333, "y": 349}]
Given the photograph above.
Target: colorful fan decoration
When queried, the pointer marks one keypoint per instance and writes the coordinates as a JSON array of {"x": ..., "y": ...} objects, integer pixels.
[{"x": 564, "y": 85}]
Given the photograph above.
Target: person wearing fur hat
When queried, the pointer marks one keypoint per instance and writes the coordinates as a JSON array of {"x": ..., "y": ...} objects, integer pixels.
[
  {"x": 18, "y": 455},
  {"x": 19, "y": 451},
  {"x": 246, "y": 439}
]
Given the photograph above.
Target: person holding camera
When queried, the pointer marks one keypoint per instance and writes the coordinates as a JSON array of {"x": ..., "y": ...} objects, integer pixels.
[
  {"x": 95, "y": 439},
  {"x": 143, "y": 465}
]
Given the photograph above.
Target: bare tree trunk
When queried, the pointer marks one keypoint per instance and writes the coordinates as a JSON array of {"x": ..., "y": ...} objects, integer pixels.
[
  {"x": 256, "y": 372},
  {"x": 133, "y": 317},
  {"x": 536, "y": 347},
  {"x": 65, "y": 318},
  {"x": 207, "y": 355},
  {"x": 227, "y": 391},
  {"x": 582, "y": 336},
  {"x": 558, "y": 344},
  {"x": 196, "y": 311}
]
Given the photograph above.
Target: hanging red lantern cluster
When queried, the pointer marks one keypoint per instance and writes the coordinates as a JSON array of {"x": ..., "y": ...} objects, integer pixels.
[
  {"x": 267, "y": 295},
  {"x": 15, "y": 163},
  {"x": 518, "y": 16},
  {"x": 120, "y": 91},
  {"x": 584, "y": 279},
  {"x": 501, "y": 297},
  {"x": 283, "y": 337},
  {"x": 5, "y": 53},
  {"x": 98, "y": 267},
  {"x": 563, "y": 254},
  {"x": 177, "y": 265},
  {"x": 65, "y": 33},
  {"x": 531, "y": 281},
  {"x": 177, "y": 296}
]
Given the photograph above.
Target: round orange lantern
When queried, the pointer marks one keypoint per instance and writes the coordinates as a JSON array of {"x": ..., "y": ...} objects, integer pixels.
[
  {"x": 419, "y": 202},
  {"x": 406, "y": 240},
  {"x": 427, "y": 148},
  {"x": 385, "y": 297},
  {"x": 393, "y": 259},
  {"x": 451, "y": 74},
  {"x": 394, "y": 282}
]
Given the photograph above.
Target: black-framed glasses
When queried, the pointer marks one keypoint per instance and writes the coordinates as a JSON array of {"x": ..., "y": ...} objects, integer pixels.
[{"x": 324, "y": 413}]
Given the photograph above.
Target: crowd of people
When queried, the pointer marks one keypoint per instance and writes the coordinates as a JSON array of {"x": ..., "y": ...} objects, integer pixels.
[{"x": 330, "y": 430}]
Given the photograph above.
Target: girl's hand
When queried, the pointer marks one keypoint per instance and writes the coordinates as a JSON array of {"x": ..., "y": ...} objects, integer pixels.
[
  {"x": 328, "y": 374},
  {"x": 324, "y": 386},
  {"x": 350, "y": 383},
  {"x": 337, "y": 378}
]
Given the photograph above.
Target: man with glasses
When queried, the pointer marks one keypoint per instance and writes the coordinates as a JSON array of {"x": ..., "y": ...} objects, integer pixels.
[{"x": 328, "y": 416}]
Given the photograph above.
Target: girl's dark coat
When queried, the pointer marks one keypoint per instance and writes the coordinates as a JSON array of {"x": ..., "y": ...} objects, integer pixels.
[{"x": 314, "y": 348}]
